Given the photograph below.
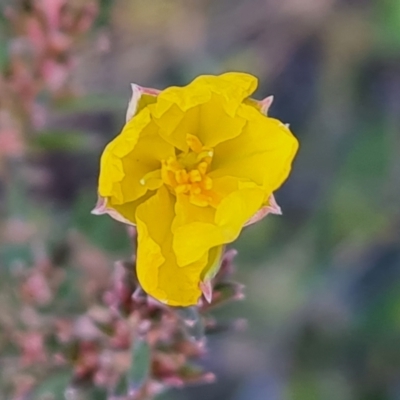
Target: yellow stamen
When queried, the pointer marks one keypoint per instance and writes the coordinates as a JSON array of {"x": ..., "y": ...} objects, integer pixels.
[
  {"x": 181, "y": 176},
  {"x": 173, "y": 164},
  {"x": 208, "y": 160},
  {"x": 203, "y": 155},
  {"x": 194, "y": 176},
  {"x": 202, "y": 168},
  {"x": 152, "y": 180},
  {"x": 194, "y": 143},
  {"x": 207, "y": 183},
  {"x": 182, "y": 189},
  {"x": 187, "y": 173},
  {"x": 195, "y": 189}
]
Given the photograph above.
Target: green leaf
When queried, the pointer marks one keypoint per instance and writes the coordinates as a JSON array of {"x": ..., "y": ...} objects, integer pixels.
[
  {"x": 140, "y": 365},
  {"x": 53, "y": 388}
]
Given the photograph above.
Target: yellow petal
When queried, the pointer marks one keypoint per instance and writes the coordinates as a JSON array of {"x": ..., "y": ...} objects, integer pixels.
[
  {"x": 262, "y": 153},
  {"x": 225, "y": 185},
  {"x": 234, "y": 87},
  {"x": 180, "y": 286},
  {"x": 127, "y": 212},
  {"x": 186, "y": 213},
  {"x": 193, "y": 240},
  {"x": 152, "y": 180},
  {"x": 206, "y": 107},
  {"x": 244, "y": 84},
  {"x": 137, "y": 151},
  {"x": 235, "y": 210},
  {"x": 216, "y": 125},
  {"x": 175, "y": 124},
  {"x": 153, "y": 218},
  {"x": 157, "y": 269}
]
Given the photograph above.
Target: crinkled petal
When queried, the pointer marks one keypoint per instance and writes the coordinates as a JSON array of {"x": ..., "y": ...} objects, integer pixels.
[
  {"x": 234, "y": 86},
  {"x": 193, "y": 240},
  {"x": 157, "y": 269},
  {"x": 225, "y": 185},
  {"x": 186, "y": 212},
  {"x": 207, "y": 107},
  {"x": 137, "y": 151},
  {"x": 174, "y": 124},
  {"x": 215, "y": 124},
  {"x": 179, "y": 286},
  {"x": 262, "y": 153},
  {"x": 153, "y": 218},
  {"x": 209, "y": 122}
]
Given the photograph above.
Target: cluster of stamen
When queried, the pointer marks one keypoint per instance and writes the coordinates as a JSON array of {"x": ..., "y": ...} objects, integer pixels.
[{"x": 187, "y": 173}]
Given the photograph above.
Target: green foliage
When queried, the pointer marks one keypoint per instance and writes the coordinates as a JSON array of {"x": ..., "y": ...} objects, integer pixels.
[
  {"x": 54, "y": 387},
  {"x": 140, "y": 365}
]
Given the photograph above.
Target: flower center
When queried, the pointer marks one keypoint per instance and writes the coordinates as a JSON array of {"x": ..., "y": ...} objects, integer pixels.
[{"x": 187, "y": 173}]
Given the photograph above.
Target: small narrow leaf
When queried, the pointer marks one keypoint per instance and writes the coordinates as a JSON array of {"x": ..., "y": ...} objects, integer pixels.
[{"x": 140, "y": 366}]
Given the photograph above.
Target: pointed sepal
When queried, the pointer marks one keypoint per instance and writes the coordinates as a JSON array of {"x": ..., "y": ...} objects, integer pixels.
[
  {"x": 137, "y": 100},
  {"x": 266, "y": 104},
  {"x": 206, "y": 289},
  {"x": 271, "y": 208},
  {"x": 102, "y": 208}
]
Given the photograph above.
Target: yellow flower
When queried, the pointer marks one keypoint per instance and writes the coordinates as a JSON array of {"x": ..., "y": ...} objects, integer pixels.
[{"x": 192, "y": 166}]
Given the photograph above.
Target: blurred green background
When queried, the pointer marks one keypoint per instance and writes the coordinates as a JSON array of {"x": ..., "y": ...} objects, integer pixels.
[{"x": 323, "y": 280}]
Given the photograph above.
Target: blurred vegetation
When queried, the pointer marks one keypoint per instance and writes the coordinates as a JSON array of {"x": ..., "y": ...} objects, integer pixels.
[{"x": 323, "y": 280}]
